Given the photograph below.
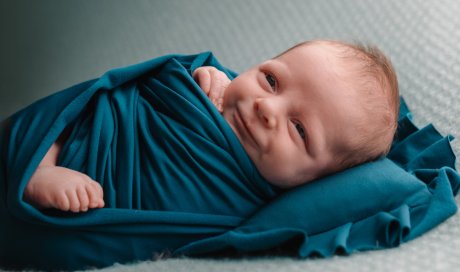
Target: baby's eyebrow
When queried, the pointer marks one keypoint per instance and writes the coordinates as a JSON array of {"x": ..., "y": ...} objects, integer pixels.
[{"x": 282, "y": 70}]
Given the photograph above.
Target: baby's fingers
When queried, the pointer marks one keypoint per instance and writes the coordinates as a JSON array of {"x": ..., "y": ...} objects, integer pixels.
[
  {"x": 219, "y": 83},
  {"x": 203, "y": 78}
]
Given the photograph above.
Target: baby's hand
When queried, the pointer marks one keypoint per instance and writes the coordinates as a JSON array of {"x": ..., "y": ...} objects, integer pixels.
[
  {"x": 213, "y": 82},
  {"x": 64, "y": 189}
]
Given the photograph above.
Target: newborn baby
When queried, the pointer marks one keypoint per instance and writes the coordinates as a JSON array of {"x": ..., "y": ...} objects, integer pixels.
[{"x": 318, "y": 108}]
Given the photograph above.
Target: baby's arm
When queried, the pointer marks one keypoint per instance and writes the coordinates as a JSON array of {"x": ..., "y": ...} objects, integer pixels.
[
  {"x": 53, "y": 186},
  {"x": 213, "y": 82}
]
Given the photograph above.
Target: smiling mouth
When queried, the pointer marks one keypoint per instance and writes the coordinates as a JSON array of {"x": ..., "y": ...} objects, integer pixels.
[{"x": 243, "y": 127}]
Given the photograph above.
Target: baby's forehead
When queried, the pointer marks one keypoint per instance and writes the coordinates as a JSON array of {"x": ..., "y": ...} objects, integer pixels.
[
  {"x": 306, "y": 61},
  {"x": 339, "y": 54},
  {"x": 346, "y": 63},
  {"x": 329, "y": 46},
  {"x": 308, "y": 53}
]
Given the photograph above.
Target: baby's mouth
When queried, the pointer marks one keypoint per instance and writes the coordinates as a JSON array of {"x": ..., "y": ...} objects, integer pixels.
[{"x": 244, "y": 128}]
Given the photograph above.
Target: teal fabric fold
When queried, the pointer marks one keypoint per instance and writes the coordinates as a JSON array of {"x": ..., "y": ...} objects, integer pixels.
[{"x": 176, "y": 179}]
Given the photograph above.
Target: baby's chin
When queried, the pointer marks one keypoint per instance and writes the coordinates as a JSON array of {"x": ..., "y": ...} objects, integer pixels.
[{"x": 283, "y": 182}]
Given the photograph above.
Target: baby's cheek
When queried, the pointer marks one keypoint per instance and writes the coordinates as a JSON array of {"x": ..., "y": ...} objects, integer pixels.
[{"x": 228, "y": 99}]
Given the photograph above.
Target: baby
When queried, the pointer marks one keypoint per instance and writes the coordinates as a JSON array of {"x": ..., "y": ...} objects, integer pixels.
[{"x": 317, "y": 108}]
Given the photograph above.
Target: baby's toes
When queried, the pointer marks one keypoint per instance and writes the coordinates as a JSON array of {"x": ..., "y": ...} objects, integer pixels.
[
  {"x": 96, "y": 195},
  {"x": 74, "y": 202},
  {"x": 83, "y": 198},
  {"x": 62, "y": 202}
]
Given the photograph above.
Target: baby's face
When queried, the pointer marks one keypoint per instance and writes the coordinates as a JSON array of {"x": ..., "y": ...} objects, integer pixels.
[{"x": 293, "y": 114}]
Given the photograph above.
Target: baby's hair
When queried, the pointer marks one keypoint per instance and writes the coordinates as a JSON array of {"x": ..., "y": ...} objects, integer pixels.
[
  {"x": 372, "y": 75},
  {"x": 379, "y": 94}
]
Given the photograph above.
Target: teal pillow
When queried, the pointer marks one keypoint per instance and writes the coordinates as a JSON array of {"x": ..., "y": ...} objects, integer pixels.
[{"x": 375, "y": 205}]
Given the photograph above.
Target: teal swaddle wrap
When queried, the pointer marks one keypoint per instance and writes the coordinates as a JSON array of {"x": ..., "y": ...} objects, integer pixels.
[{"x": 176, "y": 178}]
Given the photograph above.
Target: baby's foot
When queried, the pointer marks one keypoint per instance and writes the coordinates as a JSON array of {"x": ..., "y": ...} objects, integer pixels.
[{"x": 64, "y": 189}]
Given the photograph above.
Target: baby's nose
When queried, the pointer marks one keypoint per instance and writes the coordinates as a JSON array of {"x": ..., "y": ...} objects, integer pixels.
[{"x": 266, "y": 112}]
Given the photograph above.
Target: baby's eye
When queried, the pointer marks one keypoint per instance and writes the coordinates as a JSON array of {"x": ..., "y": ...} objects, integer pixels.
[
  {"x": 271, "y": 81},
  {"x": 300, "y": 129}
]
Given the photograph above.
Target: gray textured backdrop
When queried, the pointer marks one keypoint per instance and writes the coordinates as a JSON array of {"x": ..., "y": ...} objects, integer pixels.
[{"x": 48, "y": 45}]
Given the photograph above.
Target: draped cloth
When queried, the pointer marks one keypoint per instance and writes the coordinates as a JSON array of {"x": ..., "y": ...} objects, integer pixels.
[{"x": 176, "y": 178}]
